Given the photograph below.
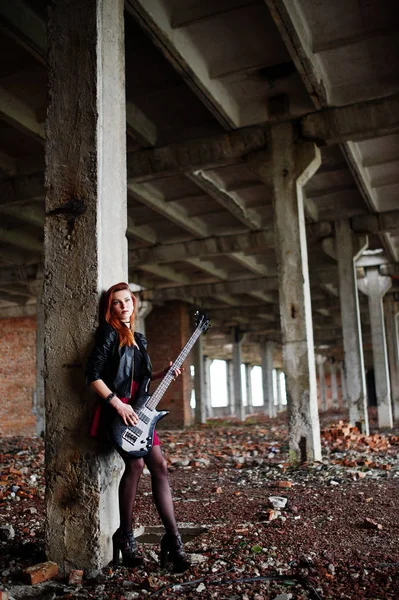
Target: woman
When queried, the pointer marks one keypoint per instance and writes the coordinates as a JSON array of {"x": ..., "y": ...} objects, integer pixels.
[{"x": 117, "y": 367}]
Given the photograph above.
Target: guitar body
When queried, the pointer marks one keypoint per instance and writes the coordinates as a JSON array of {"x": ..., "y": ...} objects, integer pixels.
[{"x": 137, "y": 440}]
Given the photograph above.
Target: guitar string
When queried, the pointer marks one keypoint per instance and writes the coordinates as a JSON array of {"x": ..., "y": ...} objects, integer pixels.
[{"x": 163, "y": 386}]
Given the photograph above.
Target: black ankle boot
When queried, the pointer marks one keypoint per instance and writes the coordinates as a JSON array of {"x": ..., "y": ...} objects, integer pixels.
[
  {"x": 125, "y": 544},
  {"x": 172, "y": 551}
]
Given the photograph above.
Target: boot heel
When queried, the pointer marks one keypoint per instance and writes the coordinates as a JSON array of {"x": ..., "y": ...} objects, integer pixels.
[
  {"x": 172, "y": 552},
  {"x": 163, "y": 556},
  {"x": 116, "y": 554}
]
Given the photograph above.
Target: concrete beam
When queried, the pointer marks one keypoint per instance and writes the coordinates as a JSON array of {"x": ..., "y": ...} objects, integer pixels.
[
  {"x": 166, "y": 273},
  {"x": 25, "y": 26},
  {"x": 7, "y": 164},
  {"x": 15, "y": 237},
  {"x": 143, "y": 130},
  {"x": 20, "y": 115},
  {"x": 376, "y": 223},
  {"x": 229, "y": 200},
  {"x": 17, "y": 190},
  {"x": 207, "y": 247},
  {"x": 354, "y": 122},
  {"x": 243, "y": 286},
  {"x": 195, "y": 155},
  {"x": 11, "y": 275},
  {"x": 29, "y": 213},
  {"x": 142, "y": 232},
  {"x": 29, "y": 30},
  {"x": 150, "y": 197}
]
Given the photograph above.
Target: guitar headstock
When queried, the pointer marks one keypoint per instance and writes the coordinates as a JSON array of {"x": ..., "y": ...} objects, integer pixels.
[{"x": 202, "y": 321}]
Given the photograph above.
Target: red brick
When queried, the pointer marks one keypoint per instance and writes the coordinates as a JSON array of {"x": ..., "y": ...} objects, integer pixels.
[{"x": 41, "y": 572}]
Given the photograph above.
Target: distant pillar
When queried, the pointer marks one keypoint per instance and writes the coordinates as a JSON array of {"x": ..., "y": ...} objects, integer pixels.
[
  {"x": 267, "y": 378},
  {"x": 230, "y": 387},
  {"x": 291, "y": 164},
  {"x": 279, "y": 391},
  {"x": 199, "y": 382},
  {"x": 248, "y": 383},
  {"x": 85, "y": 251},
  {"x": 208, "y": 390},
  {"x": 375, "y": 287},
  {"x": 391, "y": 316},
  {"x": 142, "y": 311},
  {"x": 334, "y": 386},
  {"x": 239, "y": 406},
  {"x": 347, "y": 250},
  {"x": 322, "y": 382}
]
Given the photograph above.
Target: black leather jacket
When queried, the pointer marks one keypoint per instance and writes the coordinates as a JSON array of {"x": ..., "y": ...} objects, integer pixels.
[{"x": 114, "y": 364}]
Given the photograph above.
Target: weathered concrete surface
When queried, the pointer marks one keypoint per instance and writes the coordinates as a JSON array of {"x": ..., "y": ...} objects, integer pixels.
[
  {"x": 230, "y": 386},
  {"x": 267, "y": 378},
  {"x": 199, "y": 382},
  {"x": 248, "y": 387},
  {"x": 85, "y": 252},
  {"x": 204, "y": 153},
  {"x": 375, "y": 287},
  {"x": 293, "y": 165},
  {"x": 347, "y": 249},
  {"x": 237, "y": 382},
  {"x": 391, "y": 319},
  {"x": 358, "y": 121}
]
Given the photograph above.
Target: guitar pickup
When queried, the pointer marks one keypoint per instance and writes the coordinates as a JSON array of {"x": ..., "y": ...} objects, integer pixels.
[{"x": 145, "y": 419}]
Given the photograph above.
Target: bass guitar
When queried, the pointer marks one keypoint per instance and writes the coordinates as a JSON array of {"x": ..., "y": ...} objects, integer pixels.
[{"x": 137, "y": 440}]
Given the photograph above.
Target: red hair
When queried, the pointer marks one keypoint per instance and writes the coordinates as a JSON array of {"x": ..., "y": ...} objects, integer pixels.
[{"x": 125, "y": 334}]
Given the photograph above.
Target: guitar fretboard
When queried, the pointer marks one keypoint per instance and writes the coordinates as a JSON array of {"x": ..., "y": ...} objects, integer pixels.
[{"x": 156, "y": 397}]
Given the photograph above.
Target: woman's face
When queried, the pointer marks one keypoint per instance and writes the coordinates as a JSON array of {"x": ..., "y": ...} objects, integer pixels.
[{"x": 122, "y": 305}]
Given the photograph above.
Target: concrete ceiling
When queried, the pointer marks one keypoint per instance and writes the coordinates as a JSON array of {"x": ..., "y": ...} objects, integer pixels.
[{"x": 196, "y": 69}]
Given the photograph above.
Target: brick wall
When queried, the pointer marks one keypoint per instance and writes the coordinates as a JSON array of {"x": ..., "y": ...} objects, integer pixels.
[
  {"x": 167, "y": 330},
  {"x": 17, "y": 375}
]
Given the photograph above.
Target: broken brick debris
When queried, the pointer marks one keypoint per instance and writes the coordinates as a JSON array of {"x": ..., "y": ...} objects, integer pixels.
[{"x": 40, "y": 572}]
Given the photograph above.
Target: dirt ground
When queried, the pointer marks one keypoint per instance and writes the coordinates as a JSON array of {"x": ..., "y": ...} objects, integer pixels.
[{"x": 336, "y": 537}]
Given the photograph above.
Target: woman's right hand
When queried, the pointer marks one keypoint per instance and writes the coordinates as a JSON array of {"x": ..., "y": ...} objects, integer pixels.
[{"x": 125, "y": 411}]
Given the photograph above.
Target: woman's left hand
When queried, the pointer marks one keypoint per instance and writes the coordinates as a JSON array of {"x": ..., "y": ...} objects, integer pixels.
[{"x": 175, "y": 372}]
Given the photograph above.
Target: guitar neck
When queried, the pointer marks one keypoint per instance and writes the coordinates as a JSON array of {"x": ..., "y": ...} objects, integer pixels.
[{"x": 156, "y": 397}]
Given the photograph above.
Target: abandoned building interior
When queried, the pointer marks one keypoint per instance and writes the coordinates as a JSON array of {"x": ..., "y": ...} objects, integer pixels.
[{"x": 238, "y": 157}]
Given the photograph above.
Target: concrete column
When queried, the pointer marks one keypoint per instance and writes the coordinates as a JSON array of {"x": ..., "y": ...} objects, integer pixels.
[
  {"x": 199, "y": 382},
  {"x": 239, "y": 406},
  {"x": 290, "y": 167},
  {"x": 230, "y": 386},
  {"x": 334, "y": 386},
  {"x": 279, "y": 391},
  {"x": 391, "y": 317},
  {"x": 347, "y": 250},
  {"x": 248, "y": 383},
  {"x": 343, "y": 384},
  {"x": 143, "y": 310},
  {"x": 40, "y": 396},
  {"x": 85, "y": 252},
  {"x": 208, "y": 391},
  {"x": 375, "y": 287},
  {"x": 322, "y": 382},
  {"x": 267, "y": 379}
]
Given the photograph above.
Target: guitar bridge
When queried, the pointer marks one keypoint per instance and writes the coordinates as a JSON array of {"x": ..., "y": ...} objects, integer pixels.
[{"x": 129, "y": 437}]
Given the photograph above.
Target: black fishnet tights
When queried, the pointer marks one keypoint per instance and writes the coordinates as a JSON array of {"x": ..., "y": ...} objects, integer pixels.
[{"x": 161, "y": 492}]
